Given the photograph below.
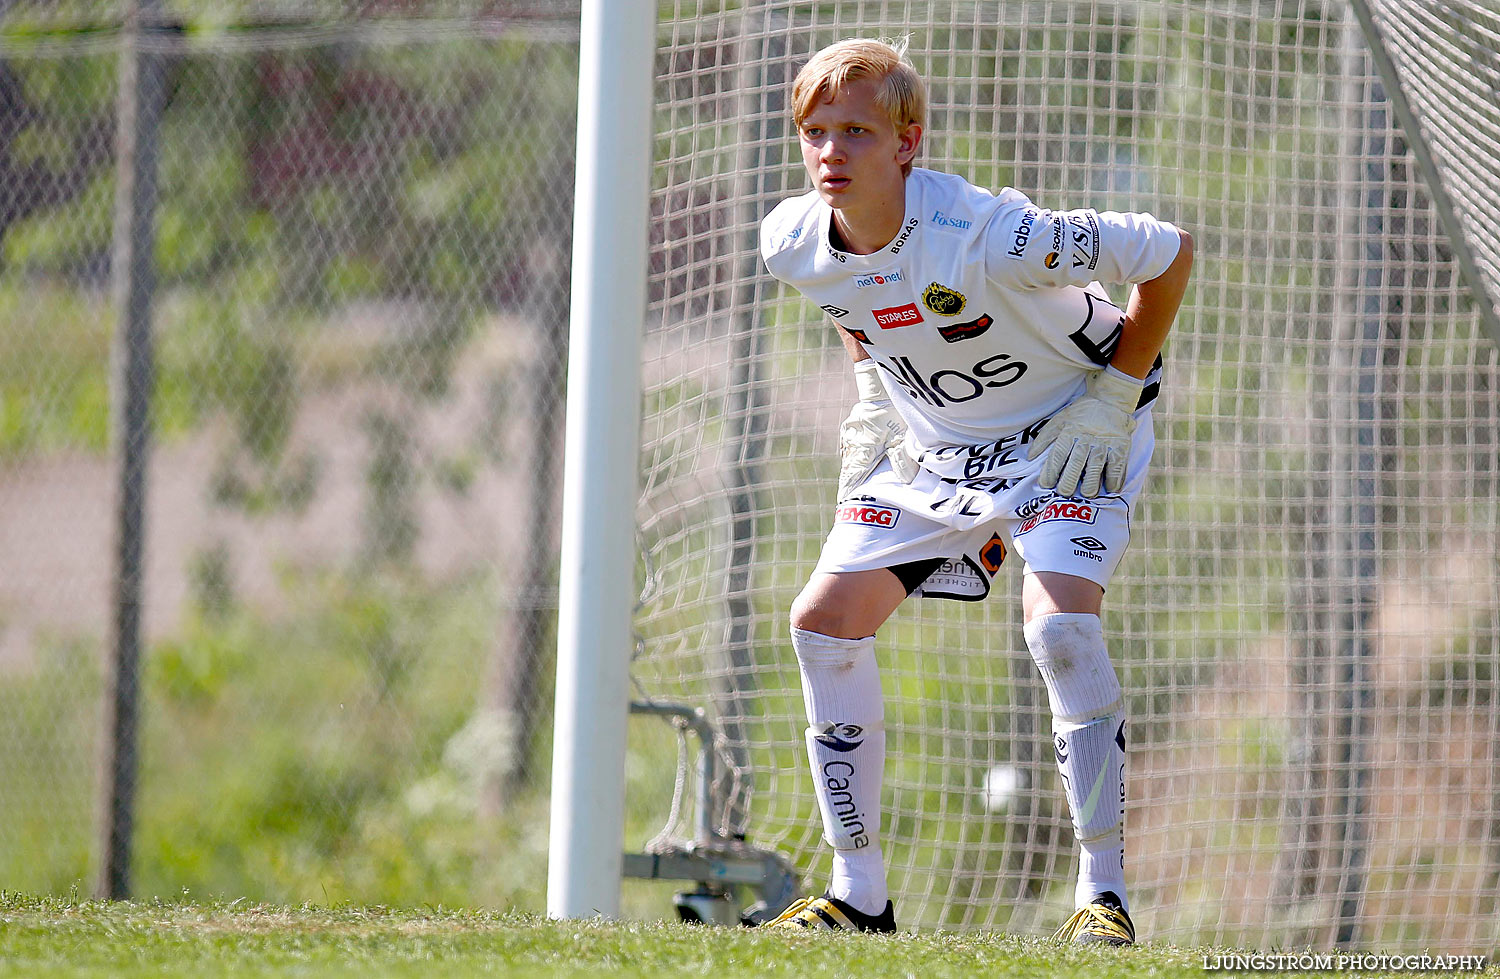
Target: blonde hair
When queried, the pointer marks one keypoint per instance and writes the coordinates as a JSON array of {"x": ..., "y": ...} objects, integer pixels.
[{"x": 900, "y": 92}]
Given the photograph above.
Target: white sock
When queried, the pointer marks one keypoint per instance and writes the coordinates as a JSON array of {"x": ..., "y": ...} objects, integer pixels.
[
  {"x": 846, "y": 748},
  {"x": 1088, "y": 725}
]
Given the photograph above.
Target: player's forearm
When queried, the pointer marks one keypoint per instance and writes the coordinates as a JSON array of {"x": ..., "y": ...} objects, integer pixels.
[
  {"x": 1152, "y": 308},
  {"x": 855, "y": 348}
]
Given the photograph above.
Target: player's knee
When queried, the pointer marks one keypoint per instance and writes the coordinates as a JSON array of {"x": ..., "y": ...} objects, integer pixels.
[
  {"x": 815, "y": 611},
  {"x": 1073, "y": 660}
]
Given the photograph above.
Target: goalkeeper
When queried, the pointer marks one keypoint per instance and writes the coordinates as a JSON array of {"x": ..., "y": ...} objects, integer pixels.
[{"x": 1004, "y": 406}]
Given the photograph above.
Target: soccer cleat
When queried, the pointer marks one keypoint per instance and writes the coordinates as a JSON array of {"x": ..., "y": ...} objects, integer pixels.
[
  {"x": 1100, "y": 922},
  {"x": 830, "y": 914}
]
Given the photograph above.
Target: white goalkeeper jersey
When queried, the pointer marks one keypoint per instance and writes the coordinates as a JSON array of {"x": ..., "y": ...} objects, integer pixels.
[{"x": 981, "y": 312}]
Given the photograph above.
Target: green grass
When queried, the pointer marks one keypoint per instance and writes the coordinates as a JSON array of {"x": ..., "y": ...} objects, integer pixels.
[{"x": 50, "y": 937}]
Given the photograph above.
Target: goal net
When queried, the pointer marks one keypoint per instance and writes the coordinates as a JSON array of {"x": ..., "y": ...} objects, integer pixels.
[{"x": 1306, "y": 624}]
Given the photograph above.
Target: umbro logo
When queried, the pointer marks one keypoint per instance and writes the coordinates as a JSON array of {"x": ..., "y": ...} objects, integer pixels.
[
  {"x": 1087, "y": 546},
  {"x": 834, "y": 311}
]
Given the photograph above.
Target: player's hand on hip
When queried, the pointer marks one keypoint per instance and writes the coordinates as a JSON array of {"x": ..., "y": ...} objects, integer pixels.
[
  {"x": 1088, "y": 442},
  {"x": 872, "y": 431}
]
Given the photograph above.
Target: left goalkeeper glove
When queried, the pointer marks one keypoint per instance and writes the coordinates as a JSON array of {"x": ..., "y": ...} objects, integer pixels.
[
  {"x": 1089, "y": 440},
  {"x": 872, "y": 431}
]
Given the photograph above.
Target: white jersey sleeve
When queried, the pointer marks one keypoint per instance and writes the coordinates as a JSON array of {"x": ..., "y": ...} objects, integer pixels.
[{"x": 1030, "y": 247}]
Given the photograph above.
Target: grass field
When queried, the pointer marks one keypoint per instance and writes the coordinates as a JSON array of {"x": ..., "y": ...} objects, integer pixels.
[{"x": 49, "y": 937}]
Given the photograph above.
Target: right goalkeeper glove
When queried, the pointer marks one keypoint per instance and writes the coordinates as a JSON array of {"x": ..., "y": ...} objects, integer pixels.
[{"x": 873, "y": 429}]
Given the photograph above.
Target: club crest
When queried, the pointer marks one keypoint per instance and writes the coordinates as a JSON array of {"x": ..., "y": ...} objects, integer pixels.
[{"x": 942, "y": 300}]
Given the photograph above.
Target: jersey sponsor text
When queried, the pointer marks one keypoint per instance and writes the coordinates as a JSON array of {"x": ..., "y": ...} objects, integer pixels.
[
  {"x": 894, "y": 316},
  {"x": 943, "y": 220},
  {"x": 1023, "y": 233},
  {"x": 879, "y": 279},
  {"x": 946, "y": 387},
  {"x": 871, "y": 516}
]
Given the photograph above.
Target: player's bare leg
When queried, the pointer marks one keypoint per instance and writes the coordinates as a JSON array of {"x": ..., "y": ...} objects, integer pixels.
[
  {"x": 833, "y": 632},
  {"x": 1088, "y": 724}
]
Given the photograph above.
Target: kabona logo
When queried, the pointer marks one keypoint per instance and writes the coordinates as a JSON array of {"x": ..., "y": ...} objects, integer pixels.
[
  {"x": 894, "y": 316},
  {"x": 841, "y": 737},
  {"x": 951, "y": 221},
  {"x": 1061, "y": 510},
  {"x": 878, "y": 279},
  {"x": 1023, "y": 233},
  {"x": 942, "y": 300},
  {"x": 870, "y": 516}
]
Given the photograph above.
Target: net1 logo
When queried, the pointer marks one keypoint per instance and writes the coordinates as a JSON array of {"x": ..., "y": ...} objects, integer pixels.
[{"x": 879, "y": 279}]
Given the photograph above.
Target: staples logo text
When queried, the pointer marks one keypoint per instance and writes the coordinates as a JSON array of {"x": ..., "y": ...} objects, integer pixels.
[{"x": 895, "y": 316}]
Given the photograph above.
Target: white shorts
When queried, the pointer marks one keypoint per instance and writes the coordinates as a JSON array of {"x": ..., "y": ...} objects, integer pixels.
[{"x": 973, "y": 525}]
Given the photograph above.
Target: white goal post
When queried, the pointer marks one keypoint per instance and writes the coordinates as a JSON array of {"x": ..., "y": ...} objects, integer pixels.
[{"x": 597, "y": 569}]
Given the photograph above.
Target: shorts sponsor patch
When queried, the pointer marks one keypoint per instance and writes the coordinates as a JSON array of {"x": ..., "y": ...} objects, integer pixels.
[
  {"x": 894, "y": 316},
  {"x": 992, "y": 554},
  {"x": 1059, "y": 510},
  {"x": 957, "y": 579},
  {"x": 868, "y": 514}
]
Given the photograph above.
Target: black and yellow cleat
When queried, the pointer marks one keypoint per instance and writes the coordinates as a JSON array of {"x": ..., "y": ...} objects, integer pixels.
[
  {"x": 830, "y": 914},
  {"x": 1103, "y": 921}
]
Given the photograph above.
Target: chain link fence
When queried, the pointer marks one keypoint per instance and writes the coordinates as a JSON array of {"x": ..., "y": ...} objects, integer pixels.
[{"x": 359, "y": 313}]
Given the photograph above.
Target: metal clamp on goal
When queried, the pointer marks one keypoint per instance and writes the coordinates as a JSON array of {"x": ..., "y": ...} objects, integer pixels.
[{"x": 718, "y": 863}]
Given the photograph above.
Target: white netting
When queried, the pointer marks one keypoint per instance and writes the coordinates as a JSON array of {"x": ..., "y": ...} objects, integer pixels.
[
  {"x": 1307, "y": 622},
  {"x": 1448, "y": 57}
]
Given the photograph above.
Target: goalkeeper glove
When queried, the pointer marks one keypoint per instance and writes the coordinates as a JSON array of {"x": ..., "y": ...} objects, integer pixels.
[
  {"x": 873, "y": 429},
  {"x": 1089, "y": 440}
]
